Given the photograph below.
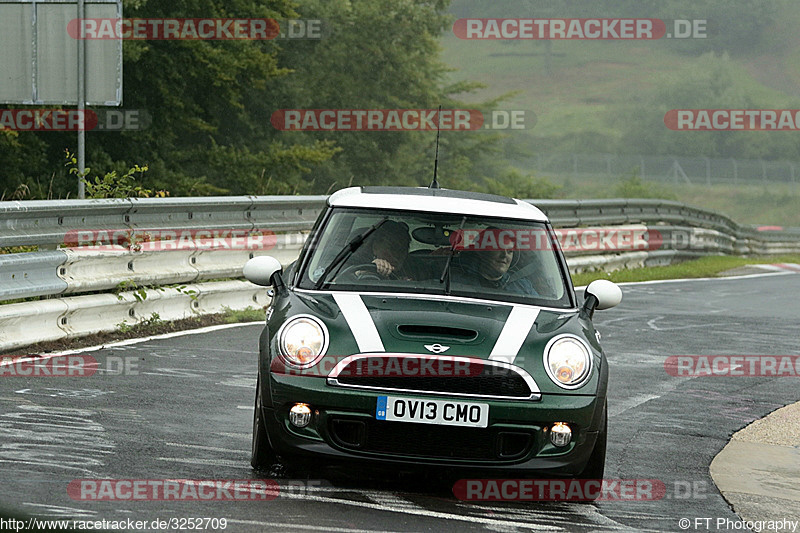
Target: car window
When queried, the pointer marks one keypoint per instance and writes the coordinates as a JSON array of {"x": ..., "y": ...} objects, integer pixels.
[{"x": 494, "y": 258}]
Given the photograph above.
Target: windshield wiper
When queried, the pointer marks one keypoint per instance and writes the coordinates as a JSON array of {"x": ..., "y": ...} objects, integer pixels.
[
  {"x": 445, "y": 277},
  {"x": 348, "y": 250}
]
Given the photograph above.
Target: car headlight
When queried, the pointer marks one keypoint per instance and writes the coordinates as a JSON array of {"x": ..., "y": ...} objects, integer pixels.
[
  {"x": 567, "y": 361},
  {"x": 302, "y": 340}
]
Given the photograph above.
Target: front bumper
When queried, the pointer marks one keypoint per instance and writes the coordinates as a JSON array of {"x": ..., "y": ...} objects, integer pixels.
[{"x": 344, "y": 429}]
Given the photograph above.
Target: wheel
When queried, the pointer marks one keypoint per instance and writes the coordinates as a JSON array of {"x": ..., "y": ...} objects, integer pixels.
[
  {"x": 263, "y": 456},
  {"x": 595, "y": 468}
]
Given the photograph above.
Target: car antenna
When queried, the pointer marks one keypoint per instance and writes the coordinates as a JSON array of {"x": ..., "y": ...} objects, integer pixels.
[{"x": 435, "y": 183}]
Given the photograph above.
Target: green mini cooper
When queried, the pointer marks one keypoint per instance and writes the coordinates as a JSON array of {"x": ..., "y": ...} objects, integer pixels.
[{"x": 426, "y": 326}]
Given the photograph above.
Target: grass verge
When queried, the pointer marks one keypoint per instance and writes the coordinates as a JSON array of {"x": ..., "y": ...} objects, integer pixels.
[{"x": 705, "y": 267}]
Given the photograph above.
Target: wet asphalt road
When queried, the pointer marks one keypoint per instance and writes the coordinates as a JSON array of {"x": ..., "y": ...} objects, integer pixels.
[{"x": 185, "y": 412}]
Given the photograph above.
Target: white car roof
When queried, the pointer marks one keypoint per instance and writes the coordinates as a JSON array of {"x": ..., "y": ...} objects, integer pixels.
[{"x": 436, "y": 201}]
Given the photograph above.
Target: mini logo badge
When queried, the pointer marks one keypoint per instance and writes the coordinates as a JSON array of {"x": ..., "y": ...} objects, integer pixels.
[{"x": 436, "y": 348}]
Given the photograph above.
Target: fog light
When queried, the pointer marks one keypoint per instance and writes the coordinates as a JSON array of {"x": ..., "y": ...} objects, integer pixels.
[
  {"x": 560, "y": 434},
  {"x": 300, "y": 415}
]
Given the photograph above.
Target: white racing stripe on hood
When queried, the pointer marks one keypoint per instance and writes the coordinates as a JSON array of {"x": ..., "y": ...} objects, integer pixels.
[
  {"x": 360, "y": 322},
  {"x": 518, "y": 324}
]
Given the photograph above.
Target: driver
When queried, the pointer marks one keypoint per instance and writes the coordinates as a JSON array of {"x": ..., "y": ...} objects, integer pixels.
[{"x": 389, "y": 248}]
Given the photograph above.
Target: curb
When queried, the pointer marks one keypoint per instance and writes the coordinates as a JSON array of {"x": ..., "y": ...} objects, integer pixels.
[{"x": 758, "y": 471}]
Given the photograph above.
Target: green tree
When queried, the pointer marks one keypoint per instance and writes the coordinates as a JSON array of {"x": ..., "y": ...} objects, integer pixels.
[
  {"x": 381, "y": 55},
  {"x": 208, "y": 135},
  {"x": 211, "y": 103},
  {"x": 707, "y": 82},
  {"x": 25, "y": 171}
]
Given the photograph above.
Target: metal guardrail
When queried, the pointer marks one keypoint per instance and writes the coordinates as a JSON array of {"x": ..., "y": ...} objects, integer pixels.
[
  {"x": 92, "y": 269},
  {"x": 48, "y": 223},
  {"x": 27, "y": 323},
  {"x": 68, "y": 271},
  {"x": 31, "y": 274}
]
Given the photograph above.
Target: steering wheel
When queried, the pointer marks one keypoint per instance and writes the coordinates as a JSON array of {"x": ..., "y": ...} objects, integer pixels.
[{"x": 365, "y": 271}]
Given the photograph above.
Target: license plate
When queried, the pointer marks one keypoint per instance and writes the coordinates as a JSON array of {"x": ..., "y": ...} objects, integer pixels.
[{"x": 441, "y": 412}]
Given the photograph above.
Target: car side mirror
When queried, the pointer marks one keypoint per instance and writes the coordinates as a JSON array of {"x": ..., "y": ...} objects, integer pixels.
[
  {"x": 600, "y": 294},
  {"x": 265, "y": 270}
]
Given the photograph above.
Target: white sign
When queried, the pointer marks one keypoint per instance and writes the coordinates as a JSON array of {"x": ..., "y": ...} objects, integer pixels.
[{"x": 39, "y": 59}]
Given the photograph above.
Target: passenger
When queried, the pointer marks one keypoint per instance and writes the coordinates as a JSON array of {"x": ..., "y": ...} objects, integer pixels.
[{"x": 491, "y": 269}]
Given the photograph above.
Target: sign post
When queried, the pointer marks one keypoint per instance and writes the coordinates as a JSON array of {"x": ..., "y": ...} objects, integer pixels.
[{"x": 81, "y": 99}]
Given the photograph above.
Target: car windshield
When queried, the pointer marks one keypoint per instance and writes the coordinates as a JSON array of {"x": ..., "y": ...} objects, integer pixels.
[{"x": 436, "y": 253}]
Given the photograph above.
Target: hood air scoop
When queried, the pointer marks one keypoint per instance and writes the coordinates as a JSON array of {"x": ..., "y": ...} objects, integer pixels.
[{"x": 441, "y": 333}]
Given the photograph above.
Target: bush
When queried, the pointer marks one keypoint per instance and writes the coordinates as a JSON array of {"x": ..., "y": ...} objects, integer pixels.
[
  {"x": 634, "y": 187},
  {"x": 514, "y": 184}
]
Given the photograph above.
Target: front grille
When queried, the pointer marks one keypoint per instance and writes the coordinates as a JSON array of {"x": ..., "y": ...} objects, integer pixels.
[
  {"x": 490, "y": 381},
  {"x": 424, "y": 440}
]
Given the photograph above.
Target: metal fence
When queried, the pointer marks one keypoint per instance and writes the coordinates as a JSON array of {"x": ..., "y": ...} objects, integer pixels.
[{"x": 667, "y": 169}]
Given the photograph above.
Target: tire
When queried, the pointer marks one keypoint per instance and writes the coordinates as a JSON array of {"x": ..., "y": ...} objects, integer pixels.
[
  {"x": 262, "y": 456},
  {"x": 595, "y": 468}
]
